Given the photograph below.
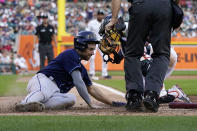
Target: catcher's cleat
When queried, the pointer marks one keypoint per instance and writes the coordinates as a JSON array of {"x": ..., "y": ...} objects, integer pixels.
[
  {"x": 151, "y": 101},
  {"x": 30, "y": 107},
  {"x": 179, "y": 95},
  {"x": 107, "y": 77},
  {"x": 93, "y": 77},
  {"x": 134, "y": 101}
]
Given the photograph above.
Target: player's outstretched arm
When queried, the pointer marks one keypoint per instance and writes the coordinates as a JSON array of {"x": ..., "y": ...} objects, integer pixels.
[
  {"x": 98, "y": 95},
  {"x": 81, "y": 87}
]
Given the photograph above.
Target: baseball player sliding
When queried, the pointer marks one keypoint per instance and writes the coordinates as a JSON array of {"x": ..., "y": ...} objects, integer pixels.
[{"x": 49, "y": 88}]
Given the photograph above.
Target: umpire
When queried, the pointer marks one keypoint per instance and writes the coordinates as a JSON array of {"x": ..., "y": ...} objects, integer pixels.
[
  {"x": 45, "y": 34},
  {"x": 147, "y": 18}
]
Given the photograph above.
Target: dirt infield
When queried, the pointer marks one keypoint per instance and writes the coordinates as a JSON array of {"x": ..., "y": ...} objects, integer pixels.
[{"x": 80, "y": 108}]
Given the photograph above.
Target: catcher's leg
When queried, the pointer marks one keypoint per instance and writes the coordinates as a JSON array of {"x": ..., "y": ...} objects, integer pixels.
[
  {"x": 172, "y": 63},
  {"x": 104, "y": 67},
  {"x": 92, "y": 63},
  {"x": 60, "y": 101}
]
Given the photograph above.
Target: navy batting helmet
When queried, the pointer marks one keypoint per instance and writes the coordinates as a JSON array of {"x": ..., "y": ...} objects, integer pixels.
[{"x": 83, "y": 38}]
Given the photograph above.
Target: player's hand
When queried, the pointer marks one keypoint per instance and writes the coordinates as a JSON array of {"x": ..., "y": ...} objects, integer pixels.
[
  {"x": 110, "y": 24},
  {"x": 118, "y": 104}
]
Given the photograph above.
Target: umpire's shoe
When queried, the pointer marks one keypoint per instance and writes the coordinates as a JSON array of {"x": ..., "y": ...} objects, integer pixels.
[
  {"x": 134, "y": 101},
  {"x": 30, "y": 107},
  {"x": 151, "y": 100}
]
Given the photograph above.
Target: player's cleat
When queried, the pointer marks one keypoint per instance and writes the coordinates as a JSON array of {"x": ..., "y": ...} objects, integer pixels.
[
  {"x": 68, "y": 105},
  {"x": 134, "y": 101},
  {"x": 179, "y": 95},
  {"x": 107, "y": 77},
  {"x": 151, "y": 101},
  {"x": 64, "y": 106},
  {"x": 30, "y": 107}
]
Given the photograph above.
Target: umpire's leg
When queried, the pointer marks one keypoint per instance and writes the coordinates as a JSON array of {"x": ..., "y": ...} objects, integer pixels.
[
  {"x": 50, "y": 54},
  {"x": 42, "y": 52},
  {"x": 160, "y": 38},
  {"x": 134, "y": 49}
]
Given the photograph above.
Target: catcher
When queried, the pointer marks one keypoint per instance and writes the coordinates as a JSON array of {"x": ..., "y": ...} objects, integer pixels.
[
  {"x": 50, "y": 86},
  {"x": 114, "y": 53}
]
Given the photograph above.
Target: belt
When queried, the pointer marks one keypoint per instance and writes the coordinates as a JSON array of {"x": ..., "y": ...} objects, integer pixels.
[{"x": 50, "y": 77}]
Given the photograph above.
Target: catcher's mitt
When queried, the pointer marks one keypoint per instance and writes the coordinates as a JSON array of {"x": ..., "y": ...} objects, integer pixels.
[{"x": 109, "y": 44}]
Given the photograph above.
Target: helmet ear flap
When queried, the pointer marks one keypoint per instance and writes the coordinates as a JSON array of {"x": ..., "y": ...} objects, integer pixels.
[{"x": 80, "y": 45}]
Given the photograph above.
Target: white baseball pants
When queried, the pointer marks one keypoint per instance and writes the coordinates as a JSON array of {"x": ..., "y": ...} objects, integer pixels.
[
  {"x": 42, "y": 89},
  {"x": 92, "y": 63}
]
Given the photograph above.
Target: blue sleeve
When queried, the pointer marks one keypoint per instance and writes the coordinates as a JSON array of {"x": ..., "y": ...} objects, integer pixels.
[
  {"x": 70, "y": 62},
  {"x": 85, "y": 76}
]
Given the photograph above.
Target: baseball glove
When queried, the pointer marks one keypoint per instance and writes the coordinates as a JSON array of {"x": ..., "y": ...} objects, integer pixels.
[{"x": 109, "y": 44}]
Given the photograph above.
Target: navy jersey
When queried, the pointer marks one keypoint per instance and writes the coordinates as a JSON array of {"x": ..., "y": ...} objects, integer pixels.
[{"x": 61, "y": 68}]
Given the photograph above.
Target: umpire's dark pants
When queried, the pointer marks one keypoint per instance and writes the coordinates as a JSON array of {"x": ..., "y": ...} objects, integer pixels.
[
  {"x": 148, "y": 18},
  {"x": 45, "y": 50}
]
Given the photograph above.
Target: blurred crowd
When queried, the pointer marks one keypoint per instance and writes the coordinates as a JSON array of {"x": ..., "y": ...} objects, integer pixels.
[
  {"x": 22, "y": 16},
  {"x": 189, "y": 25}
]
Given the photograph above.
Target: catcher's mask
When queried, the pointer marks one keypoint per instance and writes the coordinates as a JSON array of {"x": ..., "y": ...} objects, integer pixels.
[{"x": 109, "y": 44}]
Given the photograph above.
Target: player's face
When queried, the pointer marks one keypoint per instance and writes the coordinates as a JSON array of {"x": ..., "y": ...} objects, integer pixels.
[
  {"x": 89, "y": 51},
  {"x": 45, "y": 20},
  {"x": 100, "y": 17}
]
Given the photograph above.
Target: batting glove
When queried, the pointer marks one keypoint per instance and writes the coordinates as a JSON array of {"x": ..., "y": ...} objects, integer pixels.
[{"x": 118, "y": 104}]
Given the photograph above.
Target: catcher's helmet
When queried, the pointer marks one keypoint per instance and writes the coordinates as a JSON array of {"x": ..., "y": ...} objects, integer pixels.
[
  {"x": 109, "y": 43},
  {"x": 83, "y": 38}
]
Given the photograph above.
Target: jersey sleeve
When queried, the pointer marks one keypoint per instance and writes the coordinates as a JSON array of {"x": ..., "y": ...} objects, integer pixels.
[
  {"x": 85, "y": 76},
  {"x": 70, "y": 62}
]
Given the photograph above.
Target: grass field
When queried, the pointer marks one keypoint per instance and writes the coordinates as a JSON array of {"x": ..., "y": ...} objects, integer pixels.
[
  {"x": 9, "y": 86},
  {"x": 188, "y": 85},
  {"x": 175, "y": 73},
  {"x": 98, "y": 123}
]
